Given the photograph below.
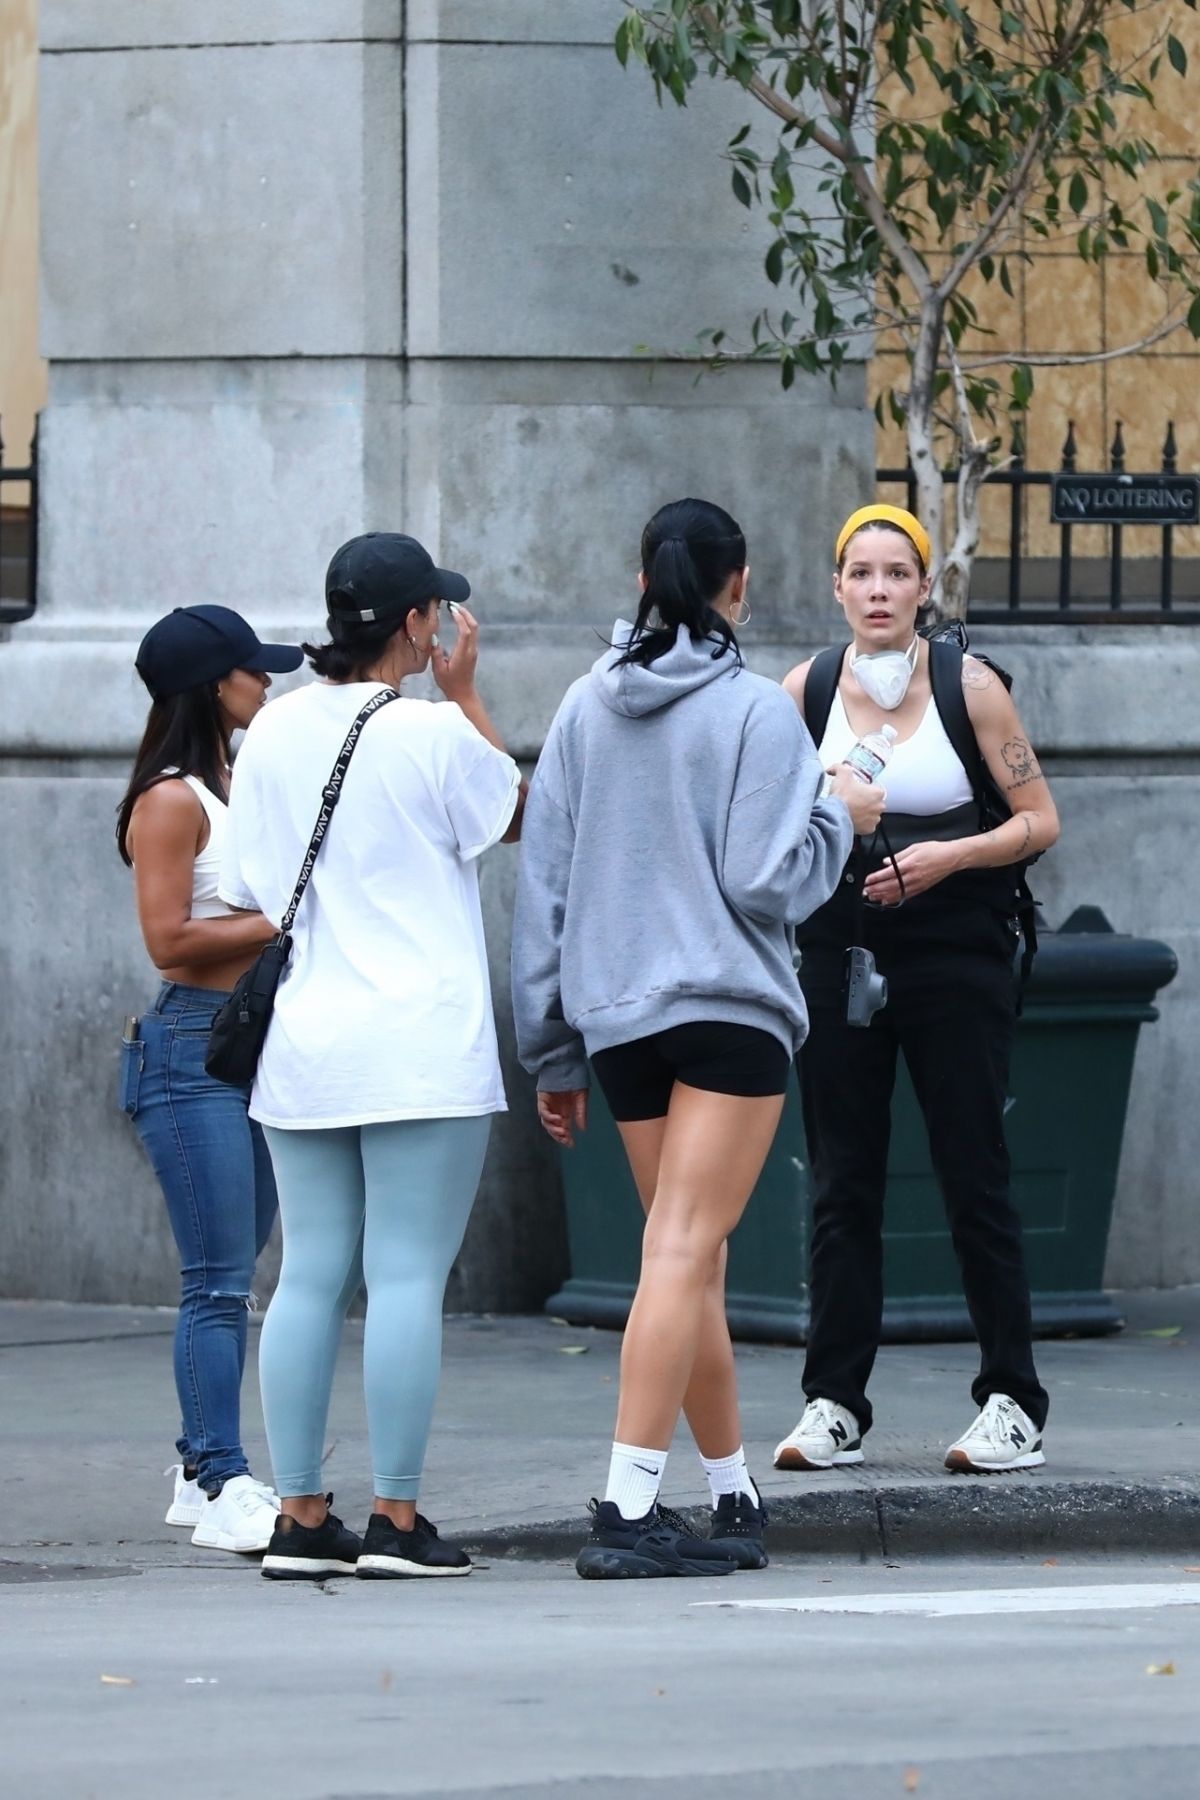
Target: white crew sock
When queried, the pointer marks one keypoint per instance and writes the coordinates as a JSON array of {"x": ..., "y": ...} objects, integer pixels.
[
  {"x": 634, "y": 1478},
  {"x": 729, "y": 1475}
]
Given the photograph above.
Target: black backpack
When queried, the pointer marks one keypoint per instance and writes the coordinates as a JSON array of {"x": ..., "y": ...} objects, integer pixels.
[{"x": 947, "y": 645}]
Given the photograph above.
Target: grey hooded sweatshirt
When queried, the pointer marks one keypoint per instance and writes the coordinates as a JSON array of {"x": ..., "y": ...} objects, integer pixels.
[{"x": 671, "y": 834}]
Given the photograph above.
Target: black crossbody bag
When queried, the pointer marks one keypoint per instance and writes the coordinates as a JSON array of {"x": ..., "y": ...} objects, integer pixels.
[{"x": 239, "y": 1027}]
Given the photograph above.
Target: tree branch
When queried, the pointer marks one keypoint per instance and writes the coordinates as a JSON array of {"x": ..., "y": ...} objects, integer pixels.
[
  {"x": 1078, "y": 359},
  {"x": 844, "y": 149}
]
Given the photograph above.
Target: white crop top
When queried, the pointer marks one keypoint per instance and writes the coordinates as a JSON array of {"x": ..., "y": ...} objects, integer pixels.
[
  {"x": 206, "y": 902},
  {"x": 924, "y": 775}
]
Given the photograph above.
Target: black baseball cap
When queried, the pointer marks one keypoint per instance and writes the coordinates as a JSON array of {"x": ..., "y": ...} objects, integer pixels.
[
  {"x": 197, "y": 644},
  {"x": 383, "y": 575}
]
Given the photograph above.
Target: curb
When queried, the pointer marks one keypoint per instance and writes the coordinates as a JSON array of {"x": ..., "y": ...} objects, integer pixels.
[{"x": 969, "y": 1518}]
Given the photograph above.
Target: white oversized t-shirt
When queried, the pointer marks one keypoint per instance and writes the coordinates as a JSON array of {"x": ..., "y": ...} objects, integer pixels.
[{"x": 385, "y": 1010}]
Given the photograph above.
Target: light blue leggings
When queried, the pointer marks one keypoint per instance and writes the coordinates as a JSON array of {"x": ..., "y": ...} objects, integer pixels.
[{"x": 386, "y": 1205}]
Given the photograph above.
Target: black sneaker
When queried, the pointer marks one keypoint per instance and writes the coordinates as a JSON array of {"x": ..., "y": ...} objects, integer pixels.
[
  {"x": 389, "y": 1554},
  {"x": 737, "y": 1530},
  {"x": 658, "y": 1544},
  {"x": 310, "y": 1552}
]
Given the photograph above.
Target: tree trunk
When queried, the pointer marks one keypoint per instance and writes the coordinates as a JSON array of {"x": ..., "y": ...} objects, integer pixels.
[
  {"x": 922, "y": 448},
  {"x": 955, "y": 586}
]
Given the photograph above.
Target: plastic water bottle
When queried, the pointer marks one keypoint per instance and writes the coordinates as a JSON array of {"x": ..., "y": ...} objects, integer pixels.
[{"x": 870, "y": 756}]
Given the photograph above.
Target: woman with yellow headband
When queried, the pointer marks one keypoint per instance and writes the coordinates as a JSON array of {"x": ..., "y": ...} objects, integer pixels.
[{"x": 938, "y": 913}]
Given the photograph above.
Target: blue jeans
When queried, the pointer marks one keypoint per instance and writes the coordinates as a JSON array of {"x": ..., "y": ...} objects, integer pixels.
[{"x": 212, "y": 1164}]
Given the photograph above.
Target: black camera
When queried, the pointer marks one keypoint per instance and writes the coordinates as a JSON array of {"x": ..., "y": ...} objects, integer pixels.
[{"x": 866, "y": 989}]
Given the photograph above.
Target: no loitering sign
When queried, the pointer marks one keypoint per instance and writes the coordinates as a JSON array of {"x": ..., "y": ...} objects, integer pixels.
[{"x": 1112, "y": 499}]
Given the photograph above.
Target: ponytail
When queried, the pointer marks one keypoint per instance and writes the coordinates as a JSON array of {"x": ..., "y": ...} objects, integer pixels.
[{"x": 689, "y": 550}]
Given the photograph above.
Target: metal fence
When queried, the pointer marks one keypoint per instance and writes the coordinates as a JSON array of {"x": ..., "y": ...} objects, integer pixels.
[
  {"x": 19, "y": 540},
  {"x": 1019, "y": 589}
]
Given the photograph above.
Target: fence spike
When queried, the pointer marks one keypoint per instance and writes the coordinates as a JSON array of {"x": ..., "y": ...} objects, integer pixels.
[
  {"x": 1070, "y": 449},
  {"x": 1170, "y": 451},
  {"x": 1017, "y": 447},
  {"x": 1118, "y": 449}
]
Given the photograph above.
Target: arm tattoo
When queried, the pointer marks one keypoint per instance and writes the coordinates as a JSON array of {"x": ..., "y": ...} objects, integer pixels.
[
  {"x": 976, "y": 674},
  {"x": 1021, "y": 763},
  {"x": 1023, "y": 846}
]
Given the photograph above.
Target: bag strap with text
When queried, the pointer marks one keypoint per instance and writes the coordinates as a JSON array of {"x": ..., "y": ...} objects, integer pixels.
[{"x": 330, "y": 795}]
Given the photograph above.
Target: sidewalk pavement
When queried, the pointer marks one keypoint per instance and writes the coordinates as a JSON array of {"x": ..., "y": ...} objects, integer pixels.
[{"x": 526, "y": 1415}]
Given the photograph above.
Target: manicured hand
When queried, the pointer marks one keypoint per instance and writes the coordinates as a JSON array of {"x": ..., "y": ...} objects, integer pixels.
[
  {"x": 564, "y": 1114},
  {"x": 922, "y": 865},
  {"x": 864, "y": 800},
  {"x": 454, "y": 672}
]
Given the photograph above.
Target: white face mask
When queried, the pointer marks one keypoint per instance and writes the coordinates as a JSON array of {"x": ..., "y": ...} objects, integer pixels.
[{"x": 884, "y": 675}]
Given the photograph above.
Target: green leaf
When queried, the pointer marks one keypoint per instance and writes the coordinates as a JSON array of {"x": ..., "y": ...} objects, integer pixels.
[
  {"x": 1193, "y": 318},
  {"x": 1177, "y": 55},
  {"x": 1022, "y": 386},
  {"x": 741, "y": 187},
  {"x": 774, "y": 262},
  {"x": 1077, "y": 193}
]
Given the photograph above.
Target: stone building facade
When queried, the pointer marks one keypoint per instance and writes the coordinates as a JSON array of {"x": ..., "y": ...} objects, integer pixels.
[{"x": 319, "y": 266}]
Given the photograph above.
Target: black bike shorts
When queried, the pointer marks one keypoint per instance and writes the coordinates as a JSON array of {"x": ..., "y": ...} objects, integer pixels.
[{"x": 717, "y": 1057}]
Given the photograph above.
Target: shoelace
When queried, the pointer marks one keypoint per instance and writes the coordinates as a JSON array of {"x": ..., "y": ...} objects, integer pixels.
[
  {"x": 673, "y": 1521},
  {"x": 993, "y": 1423},
  {"x": 249, "y": 1500}
]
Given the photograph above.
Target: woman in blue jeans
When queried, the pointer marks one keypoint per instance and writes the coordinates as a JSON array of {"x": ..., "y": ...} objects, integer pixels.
[{"x": 207, "y": 676}]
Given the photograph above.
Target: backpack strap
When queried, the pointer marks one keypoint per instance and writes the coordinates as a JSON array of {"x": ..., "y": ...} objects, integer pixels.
[
  {"x": 945, "y": 678},
  {"x": 820, "y": 686}
]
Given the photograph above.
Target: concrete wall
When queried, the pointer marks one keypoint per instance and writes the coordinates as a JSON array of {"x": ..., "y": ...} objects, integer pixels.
[
  {"x": 310, "y": 272},
  {"x": 311, "y": 267}
]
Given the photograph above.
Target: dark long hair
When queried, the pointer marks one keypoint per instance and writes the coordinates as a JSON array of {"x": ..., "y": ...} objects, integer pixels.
[
  {"x": 354, "y": 646},
  {"x": 186, "y": 733},
  {"x": 689, "y": 550}
]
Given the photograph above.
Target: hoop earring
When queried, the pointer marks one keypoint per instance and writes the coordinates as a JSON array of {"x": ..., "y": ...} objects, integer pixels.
[{"x": 740, "y": 618}]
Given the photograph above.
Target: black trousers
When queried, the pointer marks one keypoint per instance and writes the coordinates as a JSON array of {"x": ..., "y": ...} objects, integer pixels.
[{"x": 950, "y": 1012}]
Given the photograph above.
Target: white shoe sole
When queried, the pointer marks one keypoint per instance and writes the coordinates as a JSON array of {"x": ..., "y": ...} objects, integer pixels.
[
  {"x": 304, "y": 1568},
  {"x": 398, "y": 1567},
  {"x": 790, "y": 1456},
  {"x": 186, "y": 1517},
  {"x": 225, "y": 1540},
  {"x": 959, "y": 1463}
]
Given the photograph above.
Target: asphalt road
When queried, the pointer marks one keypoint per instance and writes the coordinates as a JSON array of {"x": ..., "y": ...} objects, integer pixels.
[{"x": 522, "y": 1680}]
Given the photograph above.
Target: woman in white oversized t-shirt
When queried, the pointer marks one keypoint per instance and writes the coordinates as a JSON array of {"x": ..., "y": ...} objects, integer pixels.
[{"x": 380, "y": 1071}]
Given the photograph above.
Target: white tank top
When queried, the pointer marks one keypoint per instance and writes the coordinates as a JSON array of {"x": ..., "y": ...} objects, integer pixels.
[
  {"x": 924, "y": 775},
  {"x": 206, "y": 872}
]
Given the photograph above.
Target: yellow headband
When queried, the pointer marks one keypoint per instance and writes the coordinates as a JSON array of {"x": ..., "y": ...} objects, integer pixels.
[{"x": 886, "y": 515}]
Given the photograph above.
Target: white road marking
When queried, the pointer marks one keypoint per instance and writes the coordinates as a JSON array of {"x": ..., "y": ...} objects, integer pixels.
[{"x": 963, "y": 1603}]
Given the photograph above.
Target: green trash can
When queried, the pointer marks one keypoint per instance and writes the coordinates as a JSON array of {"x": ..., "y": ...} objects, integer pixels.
[{"x": 1090, "y": 991}]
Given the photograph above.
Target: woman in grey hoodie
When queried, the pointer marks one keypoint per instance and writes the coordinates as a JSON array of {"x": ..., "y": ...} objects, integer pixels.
[{"x": 672, "y": 834}]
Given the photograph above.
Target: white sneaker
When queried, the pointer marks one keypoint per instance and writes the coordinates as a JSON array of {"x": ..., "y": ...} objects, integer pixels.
[
  {"x": 241, "y": 1518},
  {"x": 826, "y": 1435},
  {"x": 189, "y": 1501},
  {"x": 1002, "y": 1437}
]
